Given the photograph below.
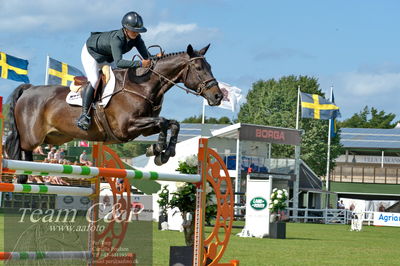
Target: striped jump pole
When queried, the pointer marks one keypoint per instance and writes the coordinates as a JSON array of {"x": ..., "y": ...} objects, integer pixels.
[
  {"x": 44, "y": 189},
  {"x": 14, "y": 167},
  {"x": 48, "y": 255}
]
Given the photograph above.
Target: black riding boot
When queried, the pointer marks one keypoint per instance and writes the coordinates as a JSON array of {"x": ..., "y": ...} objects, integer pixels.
[{"x": 83, "y": 121}]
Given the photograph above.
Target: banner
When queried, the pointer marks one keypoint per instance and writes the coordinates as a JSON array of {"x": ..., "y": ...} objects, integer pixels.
[
  {"x": 257, "y": 211},
  {"x": 386, "y": 219}
]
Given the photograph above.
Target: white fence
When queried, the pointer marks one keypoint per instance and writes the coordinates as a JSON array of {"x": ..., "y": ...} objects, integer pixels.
[{"x": 330, "y": 216}]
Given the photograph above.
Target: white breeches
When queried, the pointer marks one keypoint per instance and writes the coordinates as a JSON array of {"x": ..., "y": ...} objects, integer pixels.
[{"x": 91, "y": 66}]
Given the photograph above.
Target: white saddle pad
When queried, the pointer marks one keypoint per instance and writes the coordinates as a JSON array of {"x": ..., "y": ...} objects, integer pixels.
[{"x": 74, "y": 98}]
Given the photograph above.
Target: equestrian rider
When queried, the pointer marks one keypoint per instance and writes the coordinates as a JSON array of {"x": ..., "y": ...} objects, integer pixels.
[{"x": 107, "y": 48}]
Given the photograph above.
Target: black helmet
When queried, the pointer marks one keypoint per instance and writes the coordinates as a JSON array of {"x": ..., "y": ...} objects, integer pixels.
[{"x": 133, "y": 21}]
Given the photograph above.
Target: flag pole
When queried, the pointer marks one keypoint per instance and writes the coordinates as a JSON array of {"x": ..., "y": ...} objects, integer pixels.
[
  {"x": 204, "y": 112},
  {"x": 296, "y": 183},
  {"x": 328, "y": 154},
  {"x": 298, "y": 107},
  {"x": 46, "y": 79}
]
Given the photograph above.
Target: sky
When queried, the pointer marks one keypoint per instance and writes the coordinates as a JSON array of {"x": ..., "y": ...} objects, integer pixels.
[{"x": 350, "y": 45}]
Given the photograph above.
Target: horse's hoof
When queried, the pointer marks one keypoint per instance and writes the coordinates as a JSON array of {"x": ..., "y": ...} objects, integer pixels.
[
  {"x": 22, "y": 179},
  {"x": 151, "y": 151},
  {"x": 161, "y": 159}
]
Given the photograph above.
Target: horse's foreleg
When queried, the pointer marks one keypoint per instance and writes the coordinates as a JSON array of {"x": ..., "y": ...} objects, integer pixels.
[
  {"x": 161, "y": 125},
  {"x": 163, "y": 157},
  {"x": 174, "y": 126}
]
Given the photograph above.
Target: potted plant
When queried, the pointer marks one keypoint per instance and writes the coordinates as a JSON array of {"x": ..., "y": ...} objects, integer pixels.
[{"x": 277, "y": 206}]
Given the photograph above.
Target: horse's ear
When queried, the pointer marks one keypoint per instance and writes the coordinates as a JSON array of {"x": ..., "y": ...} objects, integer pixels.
[
  {"x": 190, "y": 50},
  {"x": 204, "y": 50}
]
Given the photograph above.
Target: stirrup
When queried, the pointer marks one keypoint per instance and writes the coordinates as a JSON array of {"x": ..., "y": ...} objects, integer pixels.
[{"x": 83, "y": 122}]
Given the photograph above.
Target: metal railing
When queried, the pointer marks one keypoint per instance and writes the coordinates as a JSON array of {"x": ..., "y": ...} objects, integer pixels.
[
  {"x": 362, "y": 174},
  {"x": 326, "y": 216}
]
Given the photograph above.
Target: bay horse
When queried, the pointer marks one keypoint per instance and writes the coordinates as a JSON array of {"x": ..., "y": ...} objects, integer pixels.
[{"x": 40, "y": 115}]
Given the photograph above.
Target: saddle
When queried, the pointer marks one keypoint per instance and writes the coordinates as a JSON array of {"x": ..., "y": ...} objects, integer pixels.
[
  {"x": 81, "y": 81},
  {"x": 100, "y": 118}
]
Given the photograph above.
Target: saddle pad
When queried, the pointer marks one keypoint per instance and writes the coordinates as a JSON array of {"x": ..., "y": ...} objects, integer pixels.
[{"x": 74, "y": 98}]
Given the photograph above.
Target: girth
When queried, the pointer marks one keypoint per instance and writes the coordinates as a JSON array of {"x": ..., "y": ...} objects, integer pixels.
[{"x": 102, "y": 123}]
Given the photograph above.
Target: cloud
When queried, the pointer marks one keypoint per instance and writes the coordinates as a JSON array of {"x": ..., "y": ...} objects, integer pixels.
[
  {"x": 282, "y": 53},
  {"x": 369, "y": 84},
  {"x": 178, "y": 36},
  {"x": 60, "y": 15},
  {"x": 373, "y": 85}
]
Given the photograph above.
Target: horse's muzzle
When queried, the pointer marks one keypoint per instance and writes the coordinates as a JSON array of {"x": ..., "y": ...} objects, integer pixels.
[{"x": 214, "y": 96}]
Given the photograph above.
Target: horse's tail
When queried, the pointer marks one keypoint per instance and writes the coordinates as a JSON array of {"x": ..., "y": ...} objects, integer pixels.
[{"x": 12, "y": 145}]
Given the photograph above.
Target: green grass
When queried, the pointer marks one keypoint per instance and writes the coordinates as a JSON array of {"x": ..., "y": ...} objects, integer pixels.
[{"x": 306, "y": 244}]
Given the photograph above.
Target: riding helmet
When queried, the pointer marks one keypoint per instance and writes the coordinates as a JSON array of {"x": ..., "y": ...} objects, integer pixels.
[{"x": 133, "y": 22}]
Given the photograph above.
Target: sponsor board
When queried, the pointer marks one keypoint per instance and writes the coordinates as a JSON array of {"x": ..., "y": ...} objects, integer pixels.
[{"x": 386, "y": 219}]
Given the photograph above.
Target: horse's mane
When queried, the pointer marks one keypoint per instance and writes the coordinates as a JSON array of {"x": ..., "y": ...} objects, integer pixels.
[{"x": 156, "y": 58}]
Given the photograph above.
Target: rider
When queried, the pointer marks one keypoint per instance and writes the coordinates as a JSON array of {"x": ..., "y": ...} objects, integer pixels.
[{"x": 107, "y": 48}]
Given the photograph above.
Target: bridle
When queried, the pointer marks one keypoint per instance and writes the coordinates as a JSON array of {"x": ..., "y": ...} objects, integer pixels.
[{"x": 203, "y": 85}]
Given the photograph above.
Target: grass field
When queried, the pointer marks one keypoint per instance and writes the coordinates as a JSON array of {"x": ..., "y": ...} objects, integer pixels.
[{"x": 306, "y": 244}]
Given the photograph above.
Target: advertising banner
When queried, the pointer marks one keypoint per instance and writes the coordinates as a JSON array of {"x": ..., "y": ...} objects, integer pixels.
[
  {"x": 386, "y": 219},
  {"x": 257, "y": 212}
]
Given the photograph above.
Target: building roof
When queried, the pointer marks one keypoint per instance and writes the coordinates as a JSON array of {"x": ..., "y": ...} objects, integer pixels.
[{"x": 370, "y": 138}]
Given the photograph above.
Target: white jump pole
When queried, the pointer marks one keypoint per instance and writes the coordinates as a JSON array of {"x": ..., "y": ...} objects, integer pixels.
[
  {"x": 44, "y": 189},
  {"x": 23, "y": 167}
]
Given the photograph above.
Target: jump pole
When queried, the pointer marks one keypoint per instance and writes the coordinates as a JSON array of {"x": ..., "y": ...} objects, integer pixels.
[{"x": 22, "y": 167}]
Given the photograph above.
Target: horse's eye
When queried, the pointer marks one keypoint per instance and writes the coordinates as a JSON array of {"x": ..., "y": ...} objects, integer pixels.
[{"x": 198, "y": 68}]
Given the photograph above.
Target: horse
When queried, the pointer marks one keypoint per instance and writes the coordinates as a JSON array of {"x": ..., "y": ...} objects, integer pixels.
[{"x": 40, "y": 115}]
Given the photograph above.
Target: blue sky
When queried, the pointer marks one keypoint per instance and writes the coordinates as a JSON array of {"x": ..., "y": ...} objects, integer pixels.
[{"x": 352, "y": 45}]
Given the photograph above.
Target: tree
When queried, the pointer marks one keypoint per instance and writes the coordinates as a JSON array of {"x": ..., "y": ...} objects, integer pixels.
[
  {"x": 273, "y": 103},
  {"x": 369, "y": 118},
  {"x": 130, "y": 149},
  {"x": 210, "y": 120}
]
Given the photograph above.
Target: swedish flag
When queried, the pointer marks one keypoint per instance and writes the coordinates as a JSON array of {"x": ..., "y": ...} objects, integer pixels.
[
  {"x": 314, "y": 106},
  {"x": 13, "y": 68},
  {"x": 60, "y": 73}
]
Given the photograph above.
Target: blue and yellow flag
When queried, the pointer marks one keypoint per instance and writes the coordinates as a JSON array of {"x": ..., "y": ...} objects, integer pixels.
[
  {"x": 60, "y": 73},
  {"x": 13, "y": 68},
  {"x": 314, "y": 106},
  {"x": 336, "y": 115}
]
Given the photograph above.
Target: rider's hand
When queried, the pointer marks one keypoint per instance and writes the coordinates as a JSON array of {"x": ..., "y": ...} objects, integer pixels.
[
  {"x": 160, "y": 54},
  {"x": 146, "y": 62}
]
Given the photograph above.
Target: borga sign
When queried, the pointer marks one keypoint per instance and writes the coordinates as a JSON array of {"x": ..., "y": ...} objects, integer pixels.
[
  {"x": 258, "y": 203},
  {"x": 386, "y": 219}
]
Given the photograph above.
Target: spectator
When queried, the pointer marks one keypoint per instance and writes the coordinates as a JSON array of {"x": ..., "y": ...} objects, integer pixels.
[
  {"x": 84, "y": 159},
  {"x": 57, "y": 156},
  {"x": 51, "y": 153},
  {"x": 340, "y": 205},
  {"x": 38, "y": 150},
  {"x": 62, "y": 153}
]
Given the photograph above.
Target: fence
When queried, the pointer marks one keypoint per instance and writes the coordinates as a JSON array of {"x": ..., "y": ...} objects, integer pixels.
[
  {"x": 362, "y": 174},
  {"x": 326, "y": 216}
]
